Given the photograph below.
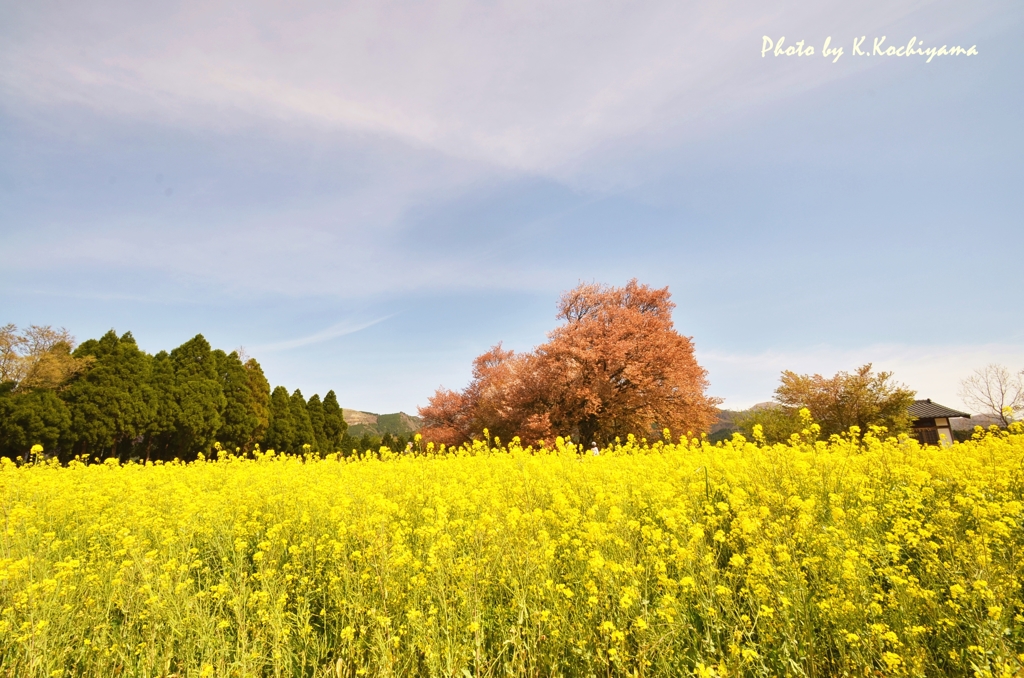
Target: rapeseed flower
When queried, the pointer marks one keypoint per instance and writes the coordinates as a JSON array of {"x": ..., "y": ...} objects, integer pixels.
[{"x": 856, "y": 555}]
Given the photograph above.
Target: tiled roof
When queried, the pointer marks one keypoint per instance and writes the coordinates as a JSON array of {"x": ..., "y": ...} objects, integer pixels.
[{"x": 926, "y": 409}]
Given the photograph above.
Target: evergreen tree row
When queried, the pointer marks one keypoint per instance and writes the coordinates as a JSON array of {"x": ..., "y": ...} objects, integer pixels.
[{"x": 108, "y": 398}]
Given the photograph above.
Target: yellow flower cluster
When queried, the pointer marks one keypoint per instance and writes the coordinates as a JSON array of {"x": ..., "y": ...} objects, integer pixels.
[{"x": 850, "y": 557}]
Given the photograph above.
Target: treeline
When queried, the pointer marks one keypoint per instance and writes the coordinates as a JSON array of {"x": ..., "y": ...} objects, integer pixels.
[{"x": 108, "y": 398}]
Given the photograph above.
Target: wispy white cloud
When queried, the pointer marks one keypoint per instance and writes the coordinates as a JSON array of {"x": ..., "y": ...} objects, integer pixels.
[
  {"x": 333, "y": 332},
  {"x": 302, "y": 144},
  {"x": 530, "y": 85}
]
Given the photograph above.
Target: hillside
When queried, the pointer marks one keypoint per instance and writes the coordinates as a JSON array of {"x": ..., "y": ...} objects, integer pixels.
[
  {"x": 728, "y": 421},
  {"x": 397, "y": 423}
]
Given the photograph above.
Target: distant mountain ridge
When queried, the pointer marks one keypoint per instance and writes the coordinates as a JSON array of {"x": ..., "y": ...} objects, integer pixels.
[
  {"x": 397, "y": 423},
  {"x": 728, "y": 420}
]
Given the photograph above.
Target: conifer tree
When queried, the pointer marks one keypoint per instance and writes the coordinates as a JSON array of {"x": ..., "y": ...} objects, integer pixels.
[
  {"x": 240, "y": 419},
  {"x": 260, "y": 389},
  {"x": 335, "y": 426},
  {"x": 159, "y": 438},
  {"x": 33, "y": 417},
  {"x": 109, "y": 403},
  {"x": 316, "y": 420},
  {"x": 199, "y": 395},
  {"x": 109, "y": 398},
  {"x": 281, "y": 429},
  {"x": 304, "y": 434}
]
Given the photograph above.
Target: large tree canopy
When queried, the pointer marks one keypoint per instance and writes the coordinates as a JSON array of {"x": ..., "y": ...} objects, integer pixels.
[
  {"x": 616, "y": 366},
  {"x": 861, "y": 398},
  {"x": 38, "y": 357}
]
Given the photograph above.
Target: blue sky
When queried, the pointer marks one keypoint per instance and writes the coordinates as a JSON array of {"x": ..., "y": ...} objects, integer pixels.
[{"x": 366, "y": 196}]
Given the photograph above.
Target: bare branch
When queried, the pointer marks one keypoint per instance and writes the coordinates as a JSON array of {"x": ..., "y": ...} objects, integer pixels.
[{"x": 994, "y": 390}]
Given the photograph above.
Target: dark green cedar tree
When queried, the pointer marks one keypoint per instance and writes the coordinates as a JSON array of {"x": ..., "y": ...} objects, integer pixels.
[
  {"x": 240, "y": 420},
  {"x": 32, "y": 417},
  {"x": 303, "y": 426},
  {"x": 109, "y": 403},
  {"x": 316, "y": 420},
  {"x": 259, "y": 387},
  {"x": 199, "y": 395},
  {"x": 160, "y": 434},
  {"x": 281, "y": 429},
  {"x": 335, "y": 426}
]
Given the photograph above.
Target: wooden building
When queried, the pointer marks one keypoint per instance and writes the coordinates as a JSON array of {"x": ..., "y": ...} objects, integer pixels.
[{"x": 931, "y": 422}]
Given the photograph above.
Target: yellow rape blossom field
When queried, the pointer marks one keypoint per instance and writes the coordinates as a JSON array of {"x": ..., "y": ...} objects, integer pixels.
[{"x": 857, "y": 556}]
